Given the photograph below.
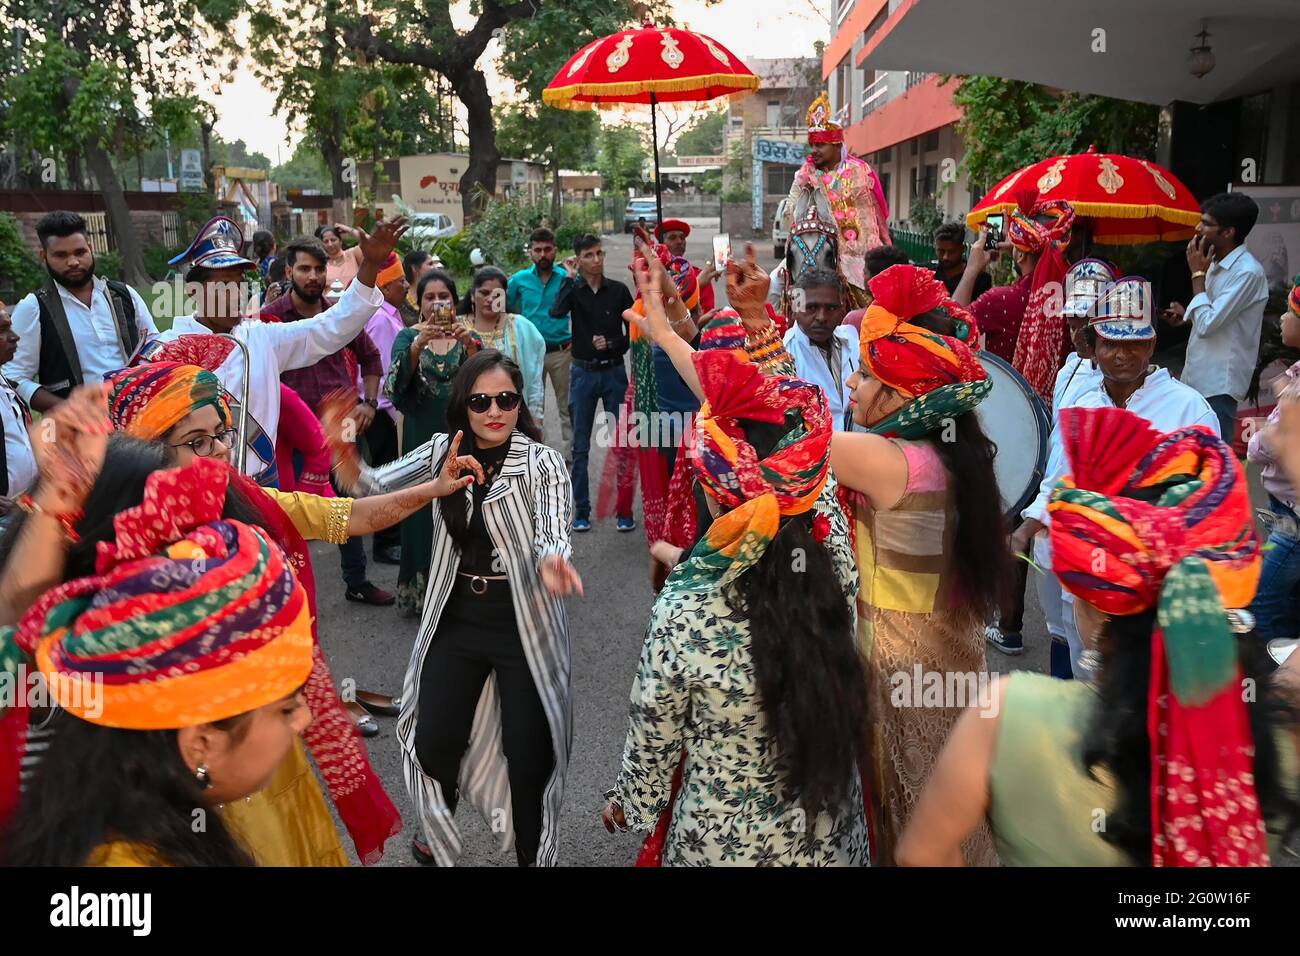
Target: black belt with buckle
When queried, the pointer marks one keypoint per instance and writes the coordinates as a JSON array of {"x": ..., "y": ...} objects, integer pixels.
[
  {"x": 598, "y": 365},
  {"x": 479, "y": 584},
  {"x": 562, "y": 347}
]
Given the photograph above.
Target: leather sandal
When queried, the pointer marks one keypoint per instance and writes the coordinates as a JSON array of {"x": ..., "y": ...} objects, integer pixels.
[
  {"x": 381, "y": 705},
  {"x": 423, "y": 855},
  {"x": 366, "y": 725}
]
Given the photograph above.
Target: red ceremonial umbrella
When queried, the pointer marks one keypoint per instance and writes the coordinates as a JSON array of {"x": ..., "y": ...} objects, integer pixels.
[
  {"x": 649, "y": 65},
  {"x": 1128, "y": 201}
]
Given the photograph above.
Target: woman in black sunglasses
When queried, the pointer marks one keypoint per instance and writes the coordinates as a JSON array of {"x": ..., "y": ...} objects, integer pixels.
[{"x": 486, "y": 699}]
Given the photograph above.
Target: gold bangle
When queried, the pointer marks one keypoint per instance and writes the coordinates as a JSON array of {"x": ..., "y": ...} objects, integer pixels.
[{"x": 1199, "y": 274}]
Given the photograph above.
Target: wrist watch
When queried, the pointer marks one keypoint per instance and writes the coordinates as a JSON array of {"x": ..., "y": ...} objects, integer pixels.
[
  {"x": 1198, "y": 274},
  {"x": 373, "y": 403}
]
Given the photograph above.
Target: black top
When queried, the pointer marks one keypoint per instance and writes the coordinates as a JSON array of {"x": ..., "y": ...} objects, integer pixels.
[
  {"x": 983, "y": 282},
  {"x": 595, "y": 312},
  {"x": 478, "y": 556}
]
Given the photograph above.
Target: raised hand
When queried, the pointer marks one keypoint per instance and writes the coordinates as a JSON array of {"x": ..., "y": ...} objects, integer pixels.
[
  {"x": 748, "y": 285},
  {"x": 340, "y": 427},
  {"x": 458, "y": 471},
  {"x": 652, "y": 281},
  {"x": 376, "y": 248},
  {"x": 69, "y": 443}
]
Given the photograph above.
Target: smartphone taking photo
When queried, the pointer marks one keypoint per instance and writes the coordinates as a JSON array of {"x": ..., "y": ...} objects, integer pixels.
[
  {"x": 721, "y": 251},
  {"x": 997, "y": 229}
]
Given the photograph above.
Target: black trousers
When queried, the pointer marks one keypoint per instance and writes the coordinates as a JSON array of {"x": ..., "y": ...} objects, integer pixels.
[
  {"x": 477, "y": 635},
  {"x": 381, "y": 448}
]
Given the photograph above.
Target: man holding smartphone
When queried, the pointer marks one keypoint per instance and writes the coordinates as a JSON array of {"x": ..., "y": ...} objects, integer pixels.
[
  {"x": 595, "y": 307},
  {"x": 1229, "y": 292}
]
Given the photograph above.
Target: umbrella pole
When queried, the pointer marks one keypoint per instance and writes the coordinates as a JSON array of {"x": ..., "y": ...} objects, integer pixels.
[{"x": 654, "y": 142}]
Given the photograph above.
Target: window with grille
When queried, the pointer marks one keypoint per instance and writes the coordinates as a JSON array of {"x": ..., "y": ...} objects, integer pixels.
[
  {"x": 777, "y": 179},
  {"x": 931, "y": 141}
]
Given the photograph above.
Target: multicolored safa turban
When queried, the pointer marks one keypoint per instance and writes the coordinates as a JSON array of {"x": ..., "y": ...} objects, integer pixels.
[
  {"x": 1293, "y": 301},
  {"x": 189, "y": 619},
  {"x": 941, "y": 373},
  {"x": 148, "y": 401},
  {"x": 757, "y": 493},
  {"x": 391, "y": 272},
  {"x": 1146, "y": 521},
  {"x": 1044, "y": 334}
]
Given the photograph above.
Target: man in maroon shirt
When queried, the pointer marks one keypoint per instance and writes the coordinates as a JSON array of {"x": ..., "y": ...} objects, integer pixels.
[
  {"x": 1000, "y": 310},
  {"x": 305, "y": 266}
]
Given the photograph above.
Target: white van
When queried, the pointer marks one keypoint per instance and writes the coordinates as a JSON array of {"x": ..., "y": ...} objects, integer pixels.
[{"x": 779, "y": 231}]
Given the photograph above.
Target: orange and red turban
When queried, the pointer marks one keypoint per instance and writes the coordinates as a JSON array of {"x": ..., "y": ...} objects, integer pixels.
[{"x": 1163, "y": 521}]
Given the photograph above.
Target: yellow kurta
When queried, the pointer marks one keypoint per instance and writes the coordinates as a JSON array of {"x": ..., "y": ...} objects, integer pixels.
[{"x": 289, "y": 822}]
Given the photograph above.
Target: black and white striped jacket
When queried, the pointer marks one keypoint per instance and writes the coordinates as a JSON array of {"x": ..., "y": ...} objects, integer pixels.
[{"x": 528, "y": 512}]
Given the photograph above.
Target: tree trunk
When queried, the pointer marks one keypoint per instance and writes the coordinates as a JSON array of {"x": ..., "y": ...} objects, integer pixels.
[
  {"x": 555, "y": 189},
  {"x": 478, "y": 183},
  {"x": 118, "y": 214},
  {"x": 74, "y": 170},
  {"x": 205, "y": 129}
]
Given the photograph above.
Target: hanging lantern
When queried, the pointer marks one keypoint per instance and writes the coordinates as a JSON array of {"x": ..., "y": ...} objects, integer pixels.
[{"x": 1200, "y": 59}]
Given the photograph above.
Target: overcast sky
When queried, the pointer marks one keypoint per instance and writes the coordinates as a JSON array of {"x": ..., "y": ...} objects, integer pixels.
[{"x": 749, "y": 28}]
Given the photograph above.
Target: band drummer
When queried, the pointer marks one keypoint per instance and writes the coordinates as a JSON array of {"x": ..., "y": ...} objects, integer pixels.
[{"x": 1123, "y": 340}]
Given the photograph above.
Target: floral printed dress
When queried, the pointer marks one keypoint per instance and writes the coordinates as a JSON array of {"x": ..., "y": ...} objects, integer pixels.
[{"x": 695, "y": 690}]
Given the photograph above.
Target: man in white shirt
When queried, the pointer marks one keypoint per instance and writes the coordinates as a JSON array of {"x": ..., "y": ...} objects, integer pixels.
[
  {"x": 825, "y": 351},
  {"x": 17, "y": 460},
  {"x": 79, "y": 327},
  {"x": 1123, "y": 340},
  {"x": 273, "y": 348},
  {"x": 1227, "y": 308},
  {"x": 1085, "y": 284}
]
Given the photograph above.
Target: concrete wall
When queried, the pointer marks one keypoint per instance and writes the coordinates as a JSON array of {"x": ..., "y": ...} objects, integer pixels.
[{"x": 737, "y": 220}]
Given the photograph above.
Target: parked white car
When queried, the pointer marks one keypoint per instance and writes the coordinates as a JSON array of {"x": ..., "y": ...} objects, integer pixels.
[
  {"x": 780, "y": 232},
  {"x": 425, "y": 227}
]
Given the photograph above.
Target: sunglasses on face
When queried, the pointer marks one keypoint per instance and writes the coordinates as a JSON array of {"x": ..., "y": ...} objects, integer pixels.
[
  {"x": 506, "y": 401},
  {"x": 205, "y": 445}
]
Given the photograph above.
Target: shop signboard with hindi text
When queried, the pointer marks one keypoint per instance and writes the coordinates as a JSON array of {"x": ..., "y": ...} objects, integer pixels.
[
  {"x": 431, "y": 183},
  {"x": 771, "y": 151}
]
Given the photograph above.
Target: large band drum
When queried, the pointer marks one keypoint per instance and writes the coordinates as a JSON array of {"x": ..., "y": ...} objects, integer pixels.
[{"x": 1012, "y": 415}]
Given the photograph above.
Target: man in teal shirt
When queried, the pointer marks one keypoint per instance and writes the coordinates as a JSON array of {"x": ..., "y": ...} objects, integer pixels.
[{"x": 531, "y": 293}]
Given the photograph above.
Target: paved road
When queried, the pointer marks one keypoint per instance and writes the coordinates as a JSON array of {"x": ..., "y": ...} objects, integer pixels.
[{"x": 373, "y": 645}]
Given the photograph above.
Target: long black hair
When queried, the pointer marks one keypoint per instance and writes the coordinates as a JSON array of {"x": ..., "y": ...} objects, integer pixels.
[
  {"x": 99, "y": 783},
  {"x": 1117, "y": 740},
  {"x": 810, "y": 677},
  {"x": 981, "y": 556},
  {"x": 454, "y": 515},
  {"x": 128, "y": 462}
]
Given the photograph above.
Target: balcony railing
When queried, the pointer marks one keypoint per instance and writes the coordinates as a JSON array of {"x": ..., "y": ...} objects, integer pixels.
[
  {"x": 875, "y": 95},
  {"x": 915, "y": 78},
  {"x": 842, "y": 115}
]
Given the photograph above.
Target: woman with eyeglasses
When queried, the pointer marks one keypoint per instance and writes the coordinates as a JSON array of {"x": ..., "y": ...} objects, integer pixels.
[
  {"x": 425, "y": 359},
  {"x": 511, "y": 334},
  {"x": 486, "y": 709},
  {"x": 182, "y": 411}
]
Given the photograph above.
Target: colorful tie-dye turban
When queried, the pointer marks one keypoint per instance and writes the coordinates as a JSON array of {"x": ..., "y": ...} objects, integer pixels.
[
  {"x": 1147, "y": 521},
  {"x": 148, "y": 401},
  {"x": 189, "y": 618},
  {"x": 940, "y": 373},
  {"x": 756, "y": 493}
]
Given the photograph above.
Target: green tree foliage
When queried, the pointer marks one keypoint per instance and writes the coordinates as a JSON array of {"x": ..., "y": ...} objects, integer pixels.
[
  {"x": 20, "y": 273},
  {"x": 305, "y": 170},
  {"x": 704, "y": 136},
  {"x": 1007, "y": 125},
  {"x": 622, "y": 152},
  {"x": 95, "y": 80}
]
